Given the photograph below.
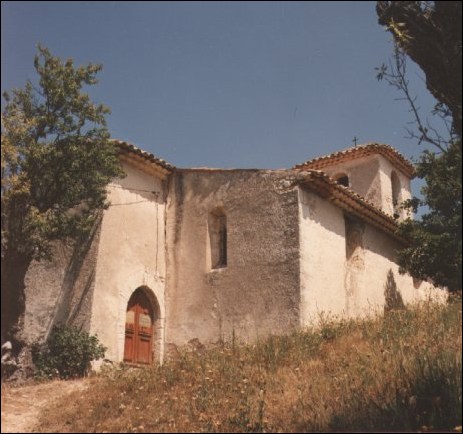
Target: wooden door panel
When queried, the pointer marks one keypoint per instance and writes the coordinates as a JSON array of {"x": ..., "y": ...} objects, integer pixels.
[
  {"x": 144, "y": 349},
  {"x": 138, "y": 347},
  {"x": 129, "y": 347}
]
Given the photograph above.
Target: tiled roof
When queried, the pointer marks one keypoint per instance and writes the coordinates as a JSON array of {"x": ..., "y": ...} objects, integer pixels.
[
  {"x": 126, "y": 147},
  {"x": 347, "y": 199},
  {"x": 307, "y": 174},
  {"x": 395, "y": 157}
]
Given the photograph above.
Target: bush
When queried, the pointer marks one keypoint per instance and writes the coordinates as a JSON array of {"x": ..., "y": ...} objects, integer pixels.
[{"x": 67, "y": 353}]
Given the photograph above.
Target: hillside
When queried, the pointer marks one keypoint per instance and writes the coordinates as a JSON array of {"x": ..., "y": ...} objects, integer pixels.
[{"x": 398, "y": 372}]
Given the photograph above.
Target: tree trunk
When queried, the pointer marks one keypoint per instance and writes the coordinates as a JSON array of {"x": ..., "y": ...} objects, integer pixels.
[
  {"x": 431, "y": 38},
  {"x": 13, "y": 299}
]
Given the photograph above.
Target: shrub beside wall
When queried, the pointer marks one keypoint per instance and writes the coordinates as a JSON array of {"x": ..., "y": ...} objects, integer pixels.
[{"x": 67, "y": 353}]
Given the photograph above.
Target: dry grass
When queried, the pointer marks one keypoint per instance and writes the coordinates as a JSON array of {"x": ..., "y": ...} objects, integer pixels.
[
  {"x": 23, "y": 403},
  {"x": 399, "y": 372}
]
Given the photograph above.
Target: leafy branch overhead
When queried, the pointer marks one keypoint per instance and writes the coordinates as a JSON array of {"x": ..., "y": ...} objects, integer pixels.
[
  {"x": 57, "y": 161},
  {"x": 56, "y": 157},
  {"x": 430, "y": 34},
  {"x": 423, "y": 131}
]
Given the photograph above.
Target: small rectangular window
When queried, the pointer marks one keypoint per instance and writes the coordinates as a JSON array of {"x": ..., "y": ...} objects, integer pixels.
[
  {"x": 354, "y": 237},
  {"x": 218, "y": 239}
]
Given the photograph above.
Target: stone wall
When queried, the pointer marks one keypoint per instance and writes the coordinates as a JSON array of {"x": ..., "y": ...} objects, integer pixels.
[
  {"x": 257, "y": 292},
  {"x": 385, "y": 171},
  {"x": 90, "y": 285},
  {"x": 224, "y": 254},
  {"x": 348, "y": 267},
  {"x": 381, "y": 272},
  {"x": 131, "y": 254},
  {"x": 60, "y": 291},
  {"x": 370, "y": 177},
  {"x": 322, "y": 239}
]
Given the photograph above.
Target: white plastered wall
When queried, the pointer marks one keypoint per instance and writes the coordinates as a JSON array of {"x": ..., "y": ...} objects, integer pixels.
[
  {"x": 131, "y": 254},
  {"x": 322, "y": 258},
  {"x": 385, "y": 171},
  {"x": 364, "y": 176},
  {"x": 332, "y": 286},
  {"x": 380, "y": 253},
  {"x": 370, "y": 177}
]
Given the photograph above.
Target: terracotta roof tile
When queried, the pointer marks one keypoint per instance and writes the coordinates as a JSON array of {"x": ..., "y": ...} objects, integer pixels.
[
  {"x": 126, "y": 147},
  {"x": 395, "y": 157},
  {"x": 349, "y": 200},
  {"x": 308, "y": 174}
]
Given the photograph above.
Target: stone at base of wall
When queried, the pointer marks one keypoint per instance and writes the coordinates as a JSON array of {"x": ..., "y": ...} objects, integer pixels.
[{"x": 16, "y": 369}]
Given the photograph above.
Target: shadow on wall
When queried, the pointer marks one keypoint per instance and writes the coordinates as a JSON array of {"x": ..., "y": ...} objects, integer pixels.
[
  {"x": 72, "y": 306},
  {"x": 393, "y": 298}
]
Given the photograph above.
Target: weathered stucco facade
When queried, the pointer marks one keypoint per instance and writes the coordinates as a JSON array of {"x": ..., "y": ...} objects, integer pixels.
[
  {"x": 131, "y": 254},
  {"x": 257, "y": 291},
  {"x": 217, "y": 254}
]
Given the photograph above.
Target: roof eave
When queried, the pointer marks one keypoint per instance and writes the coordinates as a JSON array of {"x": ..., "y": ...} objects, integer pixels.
[
  {"x": 132, "y": 154},
  {"x": 349, "y": 201},
  {"x": 387, "y": 151}
]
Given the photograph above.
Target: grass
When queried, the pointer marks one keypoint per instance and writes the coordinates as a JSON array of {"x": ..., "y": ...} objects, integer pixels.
[{"x": 400, "y": 372}]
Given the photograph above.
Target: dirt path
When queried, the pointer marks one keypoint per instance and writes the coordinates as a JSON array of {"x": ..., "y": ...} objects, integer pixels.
[{"x": 21, "y": 405}]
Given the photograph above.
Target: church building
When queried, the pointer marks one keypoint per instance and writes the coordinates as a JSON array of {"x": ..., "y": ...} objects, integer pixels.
[{"x": 208, "y": 254}]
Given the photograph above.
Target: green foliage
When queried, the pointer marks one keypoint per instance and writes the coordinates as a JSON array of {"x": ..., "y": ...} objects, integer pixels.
[
  {"x": 436, "y": 248},
  {"x": 56, "y": 158},
  {"x": 67, "y": 353},
  {"x": 430, "y": 34}
]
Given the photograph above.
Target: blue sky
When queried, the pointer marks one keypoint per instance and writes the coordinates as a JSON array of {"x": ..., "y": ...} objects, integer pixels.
[{"x": 224, "y": 84}]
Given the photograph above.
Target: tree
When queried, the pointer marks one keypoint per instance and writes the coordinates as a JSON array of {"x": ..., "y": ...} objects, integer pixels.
[
  {"x": 436, "y": 246},
  {"x": 57, "y": 160},
  {"x": 430, "y": 34}
]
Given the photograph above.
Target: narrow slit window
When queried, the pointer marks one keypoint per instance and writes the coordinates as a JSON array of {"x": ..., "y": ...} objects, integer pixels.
[
  {"x": 218, "y": 239},
  {"x": 354, "y": 237},
  {"x": 395, "y": 184}
]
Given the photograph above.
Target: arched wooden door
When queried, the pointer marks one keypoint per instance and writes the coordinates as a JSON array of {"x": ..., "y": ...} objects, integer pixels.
[{"x": 139, "y": 329}]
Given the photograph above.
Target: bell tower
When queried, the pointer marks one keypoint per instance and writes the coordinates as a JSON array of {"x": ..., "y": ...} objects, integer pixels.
[{"x": 377, "y": 172}]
